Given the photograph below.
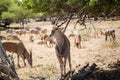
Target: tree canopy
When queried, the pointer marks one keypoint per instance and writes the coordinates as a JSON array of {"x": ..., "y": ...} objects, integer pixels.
[
  {"x": 22, "y": 9},
  {"x": 89, "y": 7}
]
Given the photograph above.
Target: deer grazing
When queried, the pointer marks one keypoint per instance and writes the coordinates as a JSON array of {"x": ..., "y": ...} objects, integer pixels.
[
  {"x": 77, "y": 40},
  {"x": 16, "y": 46},
  {"x": 62, "y": 48},
  {"x": 7, "y": 68},
  {"x": 110, "y": 33}
]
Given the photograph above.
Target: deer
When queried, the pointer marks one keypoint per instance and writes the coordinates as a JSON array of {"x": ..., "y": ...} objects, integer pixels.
[
  {"x": 31, "y": 38},
  {"x": 34, "y": 31},
  {"x": 62, "y": 49},
  {"x": 44, "y": 31},
  {"x": 7, "y": 66},
  {"x": 21, "y": 32},
  {"x": 109, "y": 33},
  {"x": 77, "y": 40},
  {"x": 48, "y": 41},
  {"x": 16, "y": 46}
]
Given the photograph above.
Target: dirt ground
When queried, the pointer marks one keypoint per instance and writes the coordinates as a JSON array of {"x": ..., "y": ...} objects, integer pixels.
[{"x": 45, "y": 63}]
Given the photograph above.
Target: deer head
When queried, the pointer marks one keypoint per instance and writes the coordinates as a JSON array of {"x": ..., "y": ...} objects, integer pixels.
[{"x": 53, "y": 32}]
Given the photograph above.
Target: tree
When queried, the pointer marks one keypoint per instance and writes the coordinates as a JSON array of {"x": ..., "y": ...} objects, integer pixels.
[
  {"x": 13, "y": 12},
  {"x": 60, "y": 9},
  {"x": 4, "y": 5}
]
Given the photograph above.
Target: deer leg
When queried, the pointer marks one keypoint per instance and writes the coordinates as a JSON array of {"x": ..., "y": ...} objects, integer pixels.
[
  {"x": 80, "y": 44},
  {"x": 51, "y": 44},
  {"x": 105, "y": 37},
  {"x": 24, "y": 62},
  {"x": 77, "y": 45},
  {"x": 113, "y": 36},
  {"x": 70, "y": 66},
  {"x": 65, "y": 65},
  {"x": 18, "y": 60},
  {"x": 48, "y": 44},
  {"x": 61, "y": 64},
  {"x": 69, "y": 60}
]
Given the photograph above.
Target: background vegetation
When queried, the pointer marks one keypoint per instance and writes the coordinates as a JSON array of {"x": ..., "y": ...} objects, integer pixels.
[{"x": 19, "y": 10}]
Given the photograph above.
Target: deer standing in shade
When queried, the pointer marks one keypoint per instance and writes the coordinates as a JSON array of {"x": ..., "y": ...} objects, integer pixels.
[{"x": 62, "y": 48}]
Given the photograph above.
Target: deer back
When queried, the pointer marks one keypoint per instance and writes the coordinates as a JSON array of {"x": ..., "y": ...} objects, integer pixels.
[{"x": 18, "y": 47}]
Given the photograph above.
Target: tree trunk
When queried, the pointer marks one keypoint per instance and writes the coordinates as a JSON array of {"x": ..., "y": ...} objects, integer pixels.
[{"x": 6, "y": 66}]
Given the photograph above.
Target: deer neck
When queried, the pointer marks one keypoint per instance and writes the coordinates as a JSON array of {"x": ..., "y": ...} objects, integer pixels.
[
  {"x": 59, "y": 37},
  {"x": 60, "y": 41}
]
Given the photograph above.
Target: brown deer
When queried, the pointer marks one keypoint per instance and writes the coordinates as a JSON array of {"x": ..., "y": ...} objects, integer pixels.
[
  {"x": 44, "y": 31},
  {"x": 77, "y": 40},
  {"x": 48, "y": 41},
  {"x": 16, "y": 46},
  {"x": 7, "y": 67},
  {"x": 34, "y": 31},
  {"x": 109, "y": 33},
  {"x": 62, "y": 48},
  {"x": 31, "y": 38}
]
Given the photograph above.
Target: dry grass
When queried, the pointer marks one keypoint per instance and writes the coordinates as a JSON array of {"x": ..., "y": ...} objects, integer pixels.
[
  {"x": 111, "y": 44},
  {"x": 46, "y": 65},
  {"x": 85, "y": 35},
  {"x": 40, "y": 72},
  {"x": 89, "y": 33}
]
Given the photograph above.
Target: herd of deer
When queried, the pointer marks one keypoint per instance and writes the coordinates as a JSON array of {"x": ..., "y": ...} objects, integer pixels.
[{"x": 62, "y": 46}]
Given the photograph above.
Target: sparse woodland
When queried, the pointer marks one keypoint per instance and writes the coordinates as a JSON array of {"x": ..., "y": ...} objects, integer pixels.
[{"x": 91, "y": 26}]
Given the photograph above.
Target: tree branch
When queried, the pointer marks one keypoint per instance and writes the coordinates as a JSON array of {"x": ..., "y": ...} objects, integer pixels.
[{"x": 68, "y": 23}]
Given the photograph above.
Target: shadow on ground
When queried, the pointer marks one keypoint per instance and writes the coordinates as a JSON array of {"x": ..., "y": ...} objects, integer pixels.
[{"x": 97, "y": 74}]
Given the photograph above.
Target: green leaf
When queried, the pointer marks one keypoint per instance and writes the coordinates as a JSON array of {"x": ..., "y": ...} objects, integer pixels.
[
  {"x": 92, "y": 2},
  {"x": 6, "y": 15}
]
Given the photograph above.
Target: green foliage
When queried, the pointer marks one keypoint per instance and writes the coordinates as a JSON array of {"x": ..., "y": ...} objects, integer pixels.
[
  {"x": 92, "y": 2},
  {"x": 73, "y": 2},
  {"x": 15, "y": 12},
  {"x": 9, "y": 15},
  {"x": 27, "y": 8},
  {"x": 4, "y": 4},
  {"x": 36, "y": 15},
  {"x": 56, "y": 7}
]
